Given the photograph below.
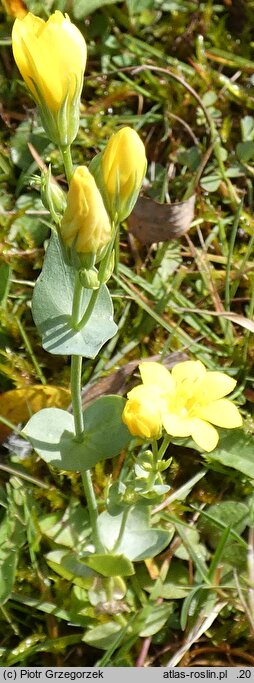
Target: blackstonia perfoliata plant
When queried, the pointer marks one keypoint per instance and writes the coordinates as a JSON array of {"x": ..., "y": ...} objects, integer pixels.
[{"x": 72, "y": 309}]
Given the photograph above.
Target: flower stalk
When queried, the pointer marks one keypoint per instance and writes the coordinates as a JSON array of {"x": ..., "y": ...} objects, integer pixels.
[{"x": 76, "y": 374}]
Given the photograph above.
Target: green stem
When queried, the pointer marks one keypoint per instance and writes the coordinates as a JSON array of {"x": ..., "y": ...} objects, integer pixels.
[
  {"x": 155, "y": 452},
  {"x": 117, "y": 246},
  {"x": 67, "y": 160},
  {"x": 22, "y": 475},
  {"x": 8, "y": 423},
  {"x": 76, "y": 369},
  {"x": 122, "y": 528},
  {"x": 93, "y": 510},
  {"x": 89, "y": 309},
  {"x": 77, "y": 301},
  {"x": 165, "y": 443},
  {"x": 26, "y": 341},
  {"x": 102, "y": 272}
]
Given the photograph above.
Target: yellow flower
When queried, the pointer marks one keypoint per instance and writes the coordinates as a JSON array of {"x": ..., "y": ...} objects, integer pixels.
[
  {"x": 120, "y": 170},
  {"x": 51, "y": 57},
  {"x": 190, "y": 400},
  {"x": 142, "y": 418},
  {"x": 85, "y": 224}
]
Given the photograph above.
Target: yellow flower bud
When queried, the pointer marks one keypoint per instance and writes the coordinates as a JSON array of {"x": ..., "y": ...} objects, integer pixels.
[
  {"x": 119, "y": 172},
  {"x": 51, "y": 57},
  {"x": 142, "y": 418},
  {"x": 85, "y": 224}
]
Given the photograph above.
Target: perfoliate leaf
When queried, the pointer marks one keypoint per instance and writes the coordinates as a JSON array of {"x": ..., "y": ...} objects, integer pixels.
[
  {"x": 52, "y": 307},
  {"x": 139, "y": 540},
  {"x": 52, "y": 434},
  {"x": 110, "y": 565}
]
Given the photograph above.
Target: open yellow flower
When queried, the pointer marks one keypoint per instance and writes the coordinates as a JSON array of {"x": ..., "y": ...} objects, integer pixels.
[
  {"x": 85, "y": 223},
  {"x": 190, "y": 400},
  {"x": 51, "y": 57}
]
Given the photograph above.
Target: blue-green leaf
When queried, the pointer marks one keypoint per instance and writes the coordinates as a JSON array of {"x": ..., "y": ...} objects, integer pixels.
[
  {"x": 235, "y": 449},
  {"x": 52, "y": 306},
  {"x": 139, "y": 540},
  {"x": 109, "y": 565},
  {"x": 52, "y": 434}
]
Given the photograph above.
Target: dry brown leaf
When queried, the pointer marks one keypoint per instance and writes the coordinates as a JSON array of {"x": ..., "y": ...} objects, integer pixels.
[
  {"x": 153, "y": 222},
  {"x": 18, "y": 405},
  {"x": 233, "y": 317}
]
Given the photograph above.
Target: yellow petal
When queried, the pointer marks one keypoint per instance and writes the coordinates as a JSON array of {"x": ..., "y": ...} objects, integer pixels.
[
  {"x": 52, "y": 54},
  {"x": 123, "y": 157},
  {"x": 149, "y": 392},
  {"x": 222, "y": 413},
  {"x": 204, "y": 434},
  {"x": 22, "y": 29},
  {"x": 189, "y": 371},
  {"x": 85, "y": 216},
  {"x": 215, "y": 385},
  {"x": 156, "y": 374},
  {"x": 140, "y": 392},
  {"x": 175, "y": 425}
]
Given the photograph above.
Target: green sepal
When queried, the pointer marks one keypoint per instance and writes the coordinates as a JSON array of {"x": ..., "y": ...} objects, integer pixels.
[{"x": 61, "y": 126}]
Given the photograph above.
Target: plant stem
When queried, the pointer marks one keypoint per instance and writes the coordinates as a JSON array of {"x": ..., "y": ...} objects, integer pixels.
[
  {"x": 165, "y": 443},
  {"x": 76, "y": 369},
  {"x": 102, "y": 271},
  {"x": 93, "y": 510},
  {"x": 8, "y": 423},
  {"x": 77, "y": 301},
  {"x": 76, "y": 372},
  {"x": 155, "y": 452},
  {"x": 67, "y": 160},
  {"x": 89, "y": 309},
  {"x": 122, "y": 528},
  {"x": 76, "y": 365},
  {"x": 30, "y": 351}
]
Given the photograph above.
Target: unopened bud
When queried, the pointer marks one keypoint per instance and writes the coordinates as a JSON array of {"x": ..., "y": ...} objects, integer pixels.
[
  {"x": 89, "y": 278},
  {"x": 119, "y": 172},
  {"x": 52, "y": 196},
  {"x": 85, "y": 226}
]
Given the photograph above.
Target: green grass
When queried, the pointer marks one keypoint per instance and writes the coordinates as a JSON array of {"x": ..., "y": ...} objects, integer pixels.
[{"x": 178, "y": 73}]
